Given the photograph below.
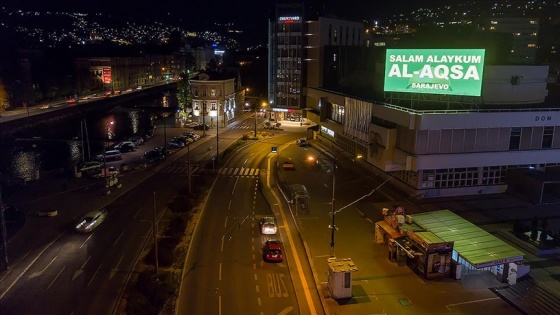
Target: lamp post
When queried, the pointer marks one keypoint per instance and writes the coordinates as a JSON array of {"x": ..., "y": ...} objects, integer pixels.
[
  {"x": 107, "y": 186},
  {"x": 203, "y": 121},
  {"x": 333, "y": 162}
]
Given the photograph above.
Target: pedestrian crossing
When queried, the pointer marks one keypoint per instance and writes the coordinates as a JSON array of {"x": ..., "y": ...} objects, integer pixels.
[
  {"x": 244, "y": 126},
  {"x": 182, "y": 169},
  {"x": 240, "y": 171}
]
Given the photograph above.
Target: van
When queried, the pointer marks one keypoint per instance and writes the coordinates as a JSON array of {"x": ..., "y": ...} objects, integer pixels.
[{"x": 111, "y": 155}]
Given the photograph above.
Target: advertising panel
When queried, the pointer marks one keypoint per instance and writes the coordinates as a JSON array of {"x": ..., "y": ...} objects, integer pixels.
[
  {"x": 434, "y": 71},
  {"x": 106, "y": 74}
]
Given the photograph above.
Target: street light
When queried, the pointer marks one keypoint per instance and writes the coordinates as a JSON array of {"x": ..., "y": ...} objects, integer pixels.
[
  {"x": 333, "y": 161},
  {"x": 107, "y": 125}
]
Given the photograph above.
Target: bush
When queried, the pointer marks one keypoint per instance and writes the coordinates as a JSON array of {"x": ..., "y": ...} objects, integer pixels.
[
  {"x": 180, "y": 204},
  {"x": 177, "y": 227},
  {"x": 138, "y": 304},
  {"x": 166, "y": 251},
  {"x": 155, "y": 290}
]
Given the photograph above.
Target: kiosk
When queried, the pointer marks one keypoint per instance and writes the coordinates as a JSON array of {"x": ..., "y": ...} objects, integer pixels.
[{"x": 340, "y": 277}]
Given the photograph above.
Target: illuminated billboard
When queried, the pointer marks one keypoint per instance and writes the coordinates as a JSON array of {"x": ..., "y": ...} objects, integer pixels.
[{"x": 434, "y": 71}]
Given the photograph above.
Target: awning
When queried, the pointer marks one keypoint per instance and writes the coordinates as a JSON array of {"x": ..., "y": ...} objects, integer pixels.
[{"x": 389, "y": 229}]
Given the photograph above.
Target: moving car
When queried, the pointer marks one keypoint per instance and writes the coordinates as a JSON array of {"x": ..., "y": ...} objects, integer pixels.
[
  {"x": 272, "y": 251},
  {"x": 267, "y": 225},
  {"x": 91, "y": 220},
  {"x": 302, "y": 142},
  {"x": 90, "y": 168},
  {"x": 109, "y": 155}
]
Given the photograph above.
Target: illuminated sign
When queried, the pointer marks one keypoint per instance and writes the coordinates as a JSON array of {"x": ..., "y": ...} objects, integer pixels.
[
  {"x": 107, "y": 75},
  {"x": 327, "y": 131},
  {"x": 289, "y": 19},
  {"x": 434, "y": 71}
]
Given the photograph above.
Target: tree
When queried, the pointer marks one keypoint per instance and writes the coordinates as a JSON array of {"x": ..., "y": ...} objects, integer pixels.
[{"x": 184, "y": 94}]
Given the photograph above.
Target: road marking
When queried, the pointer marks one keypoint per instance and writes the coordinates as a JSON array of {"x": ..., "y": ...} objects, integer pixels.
[
  {"x": 134, "y": 217},
  {"x": 79, "y": 271},
  {"x": 255, "y": 276},
  {"x": 257, "y": 288},
  {"x": 287, "y": 310},
  {"x": 118, "y": 238},
  {"x": 56, "y": 277},
  {"x": 225, "y": 223},
  {"x": 220, "y": 305},
  {"x": 116, "y": 269},
  {"x": 96, "y": 271},
  {"x": 234, "y": 185},
  {"x": 9, "y": 270},
  {"x": 299, "y": 268},
  {"x": 40, "y": 272},
  {"x": 259, "y": 301},
  {"x": 470, "y": 302},
  {"x": 87, "y": 239},
  {"x": 29, "y": 266},
  {"x": 222, "y": 248},
  {"x": 220, "y": 273}
]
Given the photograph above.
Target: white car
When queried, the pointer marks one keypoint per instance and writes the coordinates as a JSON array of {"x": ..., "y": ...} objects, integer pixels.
[
  {"x": 192, "y": 124},
  {"x": 268, "y": 225},
  {"x": 91, "y": 220}
]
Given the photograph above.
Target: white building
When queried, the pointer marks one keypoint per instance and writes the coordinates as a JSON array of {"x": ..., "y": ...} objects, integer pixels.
[
  {"x": 460, "y": 150},
  {"x": 214, "y": 99}
]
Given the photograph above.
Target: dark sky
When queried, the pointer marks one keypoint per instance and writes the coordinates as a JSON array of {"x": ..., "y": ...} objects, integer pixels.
[{"x": 245, "y": 10}]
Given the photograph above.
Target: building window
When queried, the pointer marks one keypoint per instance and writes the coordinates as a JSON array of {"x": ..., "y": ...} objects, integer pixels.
[
  {"x": 334, "y": 57},
  {"x": 204, "y": 92},
  {"x": 337, "y": 113},
  {"x": 195, "y": 92},
  {"x": 515, "y": 138},
  {"x": 547, "y": 137},
  {"x": 212, "y": 92}
]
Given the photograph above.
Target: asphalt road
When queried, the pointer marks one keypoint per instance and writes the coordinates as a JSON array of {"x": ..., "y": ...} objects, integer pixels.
[{"x": 225, "y": 272}]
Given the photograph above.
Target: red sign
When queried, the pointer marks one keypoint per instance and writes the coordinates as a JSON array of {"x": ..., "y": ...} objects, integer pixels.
[{"x": 106, "y": 75}]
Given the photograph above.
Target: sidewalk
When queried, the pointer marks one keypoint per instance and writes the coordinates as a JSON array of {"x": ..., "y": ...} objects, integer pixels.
[{"x": 381, "y": 286}]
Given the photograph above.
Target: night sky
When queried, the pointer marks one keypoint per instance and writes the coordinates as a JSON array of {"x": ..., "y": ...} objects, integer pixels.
[{"x": 245, "y": 12}]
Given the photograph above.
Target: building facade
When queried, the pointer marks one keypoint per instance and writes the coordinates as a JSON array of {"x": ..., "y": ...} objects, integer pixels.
[
  {"x": 286, "y": 67},
  {"x": 215, "y": 100},
  {"x": 432, "y": 152},
  {"x": 524, "y": 34}
]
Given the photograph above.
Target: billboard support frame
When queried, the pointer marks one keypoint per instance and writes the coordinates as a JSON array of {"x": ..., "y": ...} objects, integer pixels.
[{"x": 417, "y": 100}]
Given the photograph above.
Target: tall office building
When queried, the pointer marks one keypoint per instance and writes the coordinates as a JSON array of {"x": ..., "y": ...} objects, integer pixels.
[
  {"x": 286, "y": 67},
  {"x": 524, "y": 32}
]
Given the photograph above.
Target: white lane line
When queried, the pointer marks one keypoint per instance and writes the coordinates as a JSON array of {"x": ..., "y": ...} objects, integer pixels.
[
  {"x": 225, "y": 223},
  {"x": 40, "y": 272},
  {"x": 255, "y": 276},
  {"x": 220, "y": 305},
  {"x": 222, "y": 248},
  {"x": 118, "y": 238},
  {"x": 79, "y": 271},
  {"x": 257, "y": 288},
  {"x": 29, "y": 266},
  {"x": 140, "y": 209},
  {"x": 234, "y": 185},
  {"x": 449, "y": 306},
  {"x": 95, "y": 273},
  {"x": 259, "y": 301},
  {"x": 56, "y": 277},
  {"x": 229, "y": 205},
  {"x": 17, "y": 263},
  {"x": 87, "y": 239},
  {"x": 220, "y": 273},
  {"x": 116, "y": 269}
]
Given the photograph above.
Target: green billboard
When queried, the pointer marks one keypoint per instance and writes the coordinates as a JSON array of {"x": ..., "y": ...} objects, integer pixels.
[{"x": 434, "y": 71}]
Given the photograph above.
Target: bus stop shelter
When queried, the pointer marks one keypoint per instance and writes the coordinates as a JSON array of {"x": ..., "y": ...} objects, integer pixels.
[{"x": 300, "y": 196}]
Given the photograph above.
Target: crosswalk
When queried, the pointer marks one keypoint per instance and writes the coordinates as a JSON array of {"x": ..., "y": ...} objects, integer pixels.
[
  {"x": 182, "y": 169},
  {"x": 240, "y": 171},
  {"x": 244, "y": 126}
]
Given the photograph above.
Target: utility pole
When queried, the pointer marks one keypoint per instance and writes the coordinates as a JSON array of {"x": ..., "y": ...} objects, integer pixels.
[
  {"x": 4, "y": 232},
  {"x": 155, "y": 238}
]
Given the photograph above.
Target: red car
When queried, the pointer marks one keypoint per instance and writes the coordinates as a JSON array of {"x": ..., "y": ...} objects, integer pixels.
[
  {"x": 272, "y": 251},
  {"x": 70, "y": 100}
]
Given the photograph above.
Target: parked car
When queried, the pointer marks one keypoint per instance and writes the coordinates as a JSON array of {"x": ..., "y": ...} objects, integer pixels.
[
  {"x": 272, "y": 251},
  {"x": 183, "y": 139},
  {"x": 125, "y": 146},
  {"x": 202, "y": 127},
  {"x": 302, "y": 142},
  {"x": 192, "y": 124},
  {"x": 111, "y": 155},
  {"x": 91, "y": 220},
  {"x": 158, "y": 153},
  {"x": 90, "y": 168},
  {"x": 173, "y": 144},
  {"x": 45, "y": 106},
  {"x": 137, "y": 140},
  {"x": 71, "y": 100},
  {"x": 268, "y": 225},
  {"x": 191, "y": 135}
]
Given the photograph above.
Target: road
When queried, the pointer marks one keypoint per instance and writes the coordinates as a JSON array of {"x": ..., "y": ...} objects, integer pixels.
[{"x": 225, "y": 268}]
